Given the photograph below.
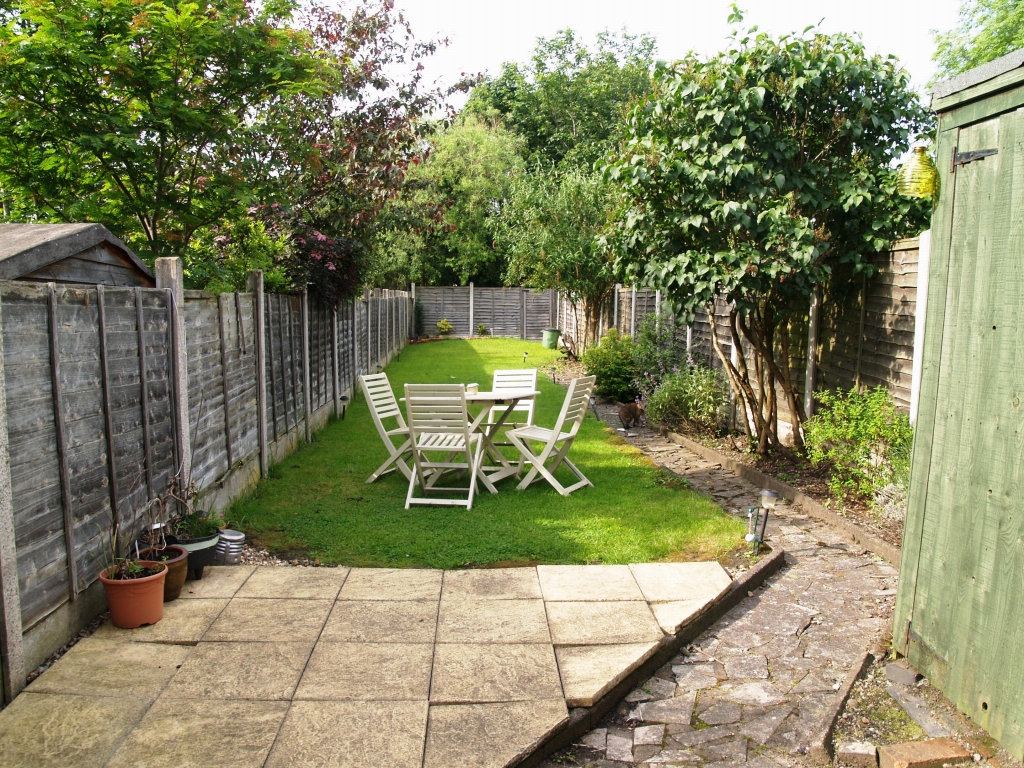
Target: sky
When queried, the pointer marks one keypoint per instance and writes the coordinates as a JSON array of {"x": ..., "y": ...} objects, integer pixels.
[{"x": 484, "y": 34}]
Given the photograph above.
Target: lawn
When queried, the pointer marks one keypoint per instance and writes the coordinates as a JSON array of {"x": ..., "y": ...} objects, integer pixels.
[{"x": 316, "y": 503}]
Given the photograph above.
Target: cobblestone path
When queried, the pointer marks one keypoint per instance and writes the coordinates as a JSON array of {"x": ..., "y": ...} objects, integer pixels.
[{"x": 753, "y": 688}]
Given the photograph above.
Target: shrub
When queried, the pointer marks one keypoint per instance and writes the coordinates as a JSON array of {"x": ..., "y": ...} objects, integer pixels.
[
  {"x": 692, "y": 398},
  {"x": 444, "y": 327},
  {"x": 481, "y": 329},
  {"x": 611, "y": 362},
  {"x": 865, "y": 440},
  {"x": 655, "y": 354}
]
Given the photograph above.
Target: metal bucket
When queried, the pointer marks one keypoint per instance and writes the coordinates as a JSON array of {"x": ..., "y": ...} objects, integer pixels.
[{"x": 229, "y": 548}]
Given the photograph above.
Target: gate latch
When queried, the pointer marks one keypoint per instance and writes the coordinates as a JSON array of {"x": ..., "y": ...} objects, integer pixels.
[{"x": 963, "y": 158}]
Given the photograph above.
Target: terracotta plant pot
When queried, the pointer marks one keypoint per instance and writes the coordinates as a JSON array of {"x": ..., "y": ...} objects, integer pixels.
[
  {"x": 134, "y": 602},
  {"x": 177, "y": 569}
]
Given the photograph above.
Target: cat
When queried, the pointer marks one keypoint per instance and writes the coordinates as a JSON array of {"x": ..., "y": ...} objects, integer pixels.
[{"x": 631, "y": 415}]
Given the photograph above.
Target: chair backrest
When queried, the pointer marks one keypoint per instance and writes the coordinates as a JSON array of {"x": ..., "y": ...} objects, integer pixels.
[
  {"x": 577, "y": 400},
  {"x": 518, "y": 378},
  {"x": 437, "y": 409},
  {"x": 381, "y": 399}
]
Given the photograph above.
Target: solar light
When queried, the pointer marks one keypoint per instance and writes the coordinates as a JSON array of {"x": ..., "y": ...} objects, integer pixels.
[
  {"x": 524, "y": 357},
  {"x": 768, "y": 499}
]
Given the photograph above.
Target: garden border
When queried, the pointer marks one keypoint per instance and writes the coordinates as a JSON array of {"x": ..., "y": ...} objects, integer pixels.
[
  {"x": 868, "y": 540},
  {"x": 821, "y": 750},
  {"x": 583, "y": 719}
]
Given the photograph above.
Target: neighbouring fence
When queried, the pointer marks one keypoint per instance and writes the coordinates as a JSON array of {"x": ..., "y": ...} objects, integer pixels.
[
  {"x": 103, "y": 405},
  {"x": 518, "y": 312}
]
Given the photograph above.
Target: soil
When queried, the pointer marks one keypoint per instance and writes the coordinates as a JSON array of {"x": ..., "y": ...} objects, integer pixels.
[{"x": 812, "y": 481}]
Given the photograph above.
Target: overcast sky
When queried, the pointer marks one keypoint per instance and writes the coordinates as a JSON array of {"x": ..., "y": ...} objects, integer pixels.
[{"x": 485, "y": 34}]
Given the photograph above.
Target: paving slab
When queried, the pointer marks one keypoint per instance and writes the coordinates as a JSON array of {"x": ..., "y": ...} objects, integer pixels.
[
  {"x": 382, "y": 621},
  {"x": 493, "y": 584},
  {"x": 367, "y": 672},
  {"x": 489, "y": 735},
  {"x": 270, "y": 621},
  {"x": 184, "y": 623},
  {"x": 351, "y": 734},
  {"x": 678, "y": 710},
  {"x": 230, "y": 670},
  {"x": 927, "y": 753},
  {"x": 590, "y": 671},
  {"x": 218, "y": 581},
  {"x": 602, "y": 623},
  {"x": 109, "y": 667},
  {"x": 669, "y": 582},
  {"x": 468, "y": 620},
  {"x": 673, "y": 616},
  {"x": 392, "y": 584},
  {"x": 485, "y": 673},
  {"x": 44, "y": 730},
  {"x": 298, "y": 583},
  {"x": 588, "y": 582},
  {"x": 200, "y": 732}
]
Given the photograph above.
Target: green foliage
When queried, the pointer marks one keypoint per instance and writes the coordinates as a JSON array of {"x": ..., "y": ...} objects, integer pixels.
[
  {"x": 220, "y": 258},
  {"x": 481, "y": 330},
  {"x": 863, "y": 438},
  {"x": 611, "y": 362},
  {"x": 752, "y": 174},
  {"x": 655, "y": 354},
  {"x": 195, "y": 526},
  {"x": 987, "y": 30},
  {"x": 444, "y": 327},
  {"x": 692, "y": 398},
  {"x": 568, "y": 101}
]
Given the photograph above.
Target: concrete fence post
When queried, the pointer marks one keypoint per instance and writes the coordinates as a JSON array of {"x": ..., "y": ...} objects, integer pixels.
[
  {"x": 920, "y": 312},
  {"x": 170, "y": 275},
  {"x": 472, "y": 327},
  {"x": 812, "y": 351},
  {"x": 336, "y": 382},
  {"x": 12, "y": 660},
  {"x": 307, "y": 400},
  {"x": 259, "y": 312},
  {"x": 632, "y": 311},
  {"x": 615, "y": 306},
  {"x": 412, "y": 317}
]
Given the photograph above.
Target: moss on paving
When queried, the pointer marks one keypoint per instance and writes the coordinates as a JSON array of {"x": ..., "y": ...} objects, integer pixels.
[{"x": 316, "y": 503}]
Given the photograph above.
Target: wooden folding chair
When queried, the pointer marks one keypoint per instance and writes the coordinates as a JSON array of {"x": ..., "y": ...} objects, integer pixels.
[
  {"x": 439, "y": 423},
  {"x": 381, "y": 399},
  {"x": 520, "y": 379},
  {"x": 551, "y": 456}
]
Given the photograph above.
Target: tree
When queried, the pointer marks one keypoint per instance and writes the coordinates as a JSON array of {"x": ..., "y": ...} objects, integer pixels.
[
  {"x": 756, "y": 175},
  {"x": 567, "y": 102},
  {"x": 550, "y": 228},
  {"x": 987, "y": 30},
  {"x": 438, "y": 226}
]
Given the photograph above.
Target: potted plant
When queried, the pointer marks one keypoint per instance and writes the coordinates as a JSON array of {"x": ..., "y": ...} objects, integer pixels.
[
  {"x": 193, "y": 530},
  {"x": 134, "y": 587}
]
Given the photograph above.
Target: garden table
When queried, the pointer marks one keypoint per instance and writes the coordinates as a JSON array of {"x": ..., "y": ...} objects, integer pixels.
[{"x": 510, "y": 398}]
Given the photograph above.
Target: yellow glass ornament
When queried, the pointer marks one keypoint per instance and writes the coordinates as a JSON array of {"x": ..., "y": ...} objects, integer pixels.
[{"x": 917, "y": 177}]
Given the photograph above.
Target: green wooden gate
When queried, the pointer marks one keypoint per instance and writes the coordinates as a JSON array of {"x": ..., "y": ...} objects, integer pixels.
[{"x": 960, "y": 609}]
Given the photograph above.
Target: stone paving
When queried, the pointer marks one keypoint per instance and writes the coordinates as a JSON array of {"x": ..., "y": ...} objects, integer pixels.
[
  {"x": 754, "y": 687},
  {"x": 353, "y": 668}
]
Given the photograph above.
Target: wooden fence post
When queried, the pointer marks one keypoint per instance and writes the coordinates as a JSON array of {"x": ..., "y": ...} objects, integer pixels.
[
  {"x": 472, "y": 328},
  {"x": 522, "y": 310},
  {"x": 920, "y": 312},
  {"x": 260, "y": 321},
  {"x": 12, "y": 660},
  {"x": 307, "y": 401},
  {"x": 412, "y": 317},
  {"x": 62, "y": 449},
  {"x": 812, "y": 351},
  {"x": 170, "y": 275},
  {"x": 108, "y": 413},
  {"x": 860, "y": 329},
  {"x": 225, "y": 386}
]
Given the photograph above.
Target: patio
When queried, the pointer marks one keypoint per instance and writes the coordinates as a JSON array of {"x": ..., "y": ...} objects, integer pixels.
[{"x": 397, "y": 668}]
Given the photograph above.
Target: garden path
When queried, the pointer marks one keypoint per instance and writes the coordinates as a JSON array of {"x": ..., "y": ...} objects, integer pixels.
[{"x": 754, "y": 687}]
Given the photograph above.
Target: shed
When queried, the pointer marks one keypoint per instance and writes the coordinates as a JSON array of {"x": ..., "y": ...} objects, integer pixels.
[
  {"x": 69, "y": 253},
  {"x": 960, "y": 608}
]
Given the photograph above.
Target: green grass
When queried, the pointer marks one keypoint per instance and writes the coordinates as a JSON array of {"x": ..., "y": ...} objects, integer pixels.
[{"x": 316, "y": 502}]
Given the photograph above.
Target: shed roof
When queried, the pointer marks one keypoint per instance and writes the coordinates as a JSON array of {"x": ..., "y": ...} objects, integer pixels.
[
  {"x": 24, "y": 248},
  {"x": 978, "y": 75}
]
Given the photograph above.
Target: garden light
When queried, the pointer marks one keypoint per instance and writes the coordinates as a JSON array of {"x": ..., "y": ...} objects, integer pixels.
[
  {"x": 768, "y": 499},
  {"x": 917, "y": 177}
]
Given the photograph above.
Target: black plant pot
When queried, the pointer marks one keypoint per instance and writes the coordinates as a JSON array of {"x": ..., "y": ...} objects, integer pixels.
[{"x": 201, "y": 552}]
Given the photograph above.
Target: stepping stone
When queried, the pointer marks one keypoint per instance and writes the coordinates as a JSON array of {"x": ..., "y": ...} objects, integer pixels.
[
  {"x": 493, "y": 584},
  {"x": 588, "y": 672},
  {"x": 722, "y": 714},
  {"x": 757, "y": 694},
  {"x": 367, "y": 672},
  {"x": 241, "y": 671},
  {"x": 677, "y": 710},
  {"x": 351, "y": 734},
  {"x": 747, "y": 667},
  {"x": 466, "y": 620},
  {"x": 302, "y": 583},
  {"x": 674, "y": 757},
  {"x": 587, "y": 583},
  {"x": 270, "y": 620},
  {"x": 382, "y": 621},
  {"x": 602, "y": 623},
  {"x": 105, "y": 667},
  {"x": 227, "y": 734},
  {"x": 619, "y": 748},
  {"x": 649, "y": 734},
  {"x": 595, "y": 739},
  {"x": 44, "y": 730},
  {"x": 489, "y": 735},
  {"x": 762, "y": 728},
  {"x": 219, "y": 581},
  {"x": 484, "y": 673},
  {"x": 184, "y": 623},
  {"x": 669, "y": 582},
  {"x": 392, "y": 584}
]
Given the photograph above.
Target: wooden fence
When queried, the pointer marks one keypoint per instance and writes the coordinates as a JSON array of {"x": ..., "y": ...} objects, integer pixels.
[
  {"x": 94, "y": 419},
  {"x": 521, "y": 313}
]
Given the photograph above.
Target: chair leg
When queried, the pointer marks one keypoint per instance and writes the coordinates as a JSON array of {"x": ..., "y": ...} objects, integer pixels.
[{"x": 397, "y": 458}]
